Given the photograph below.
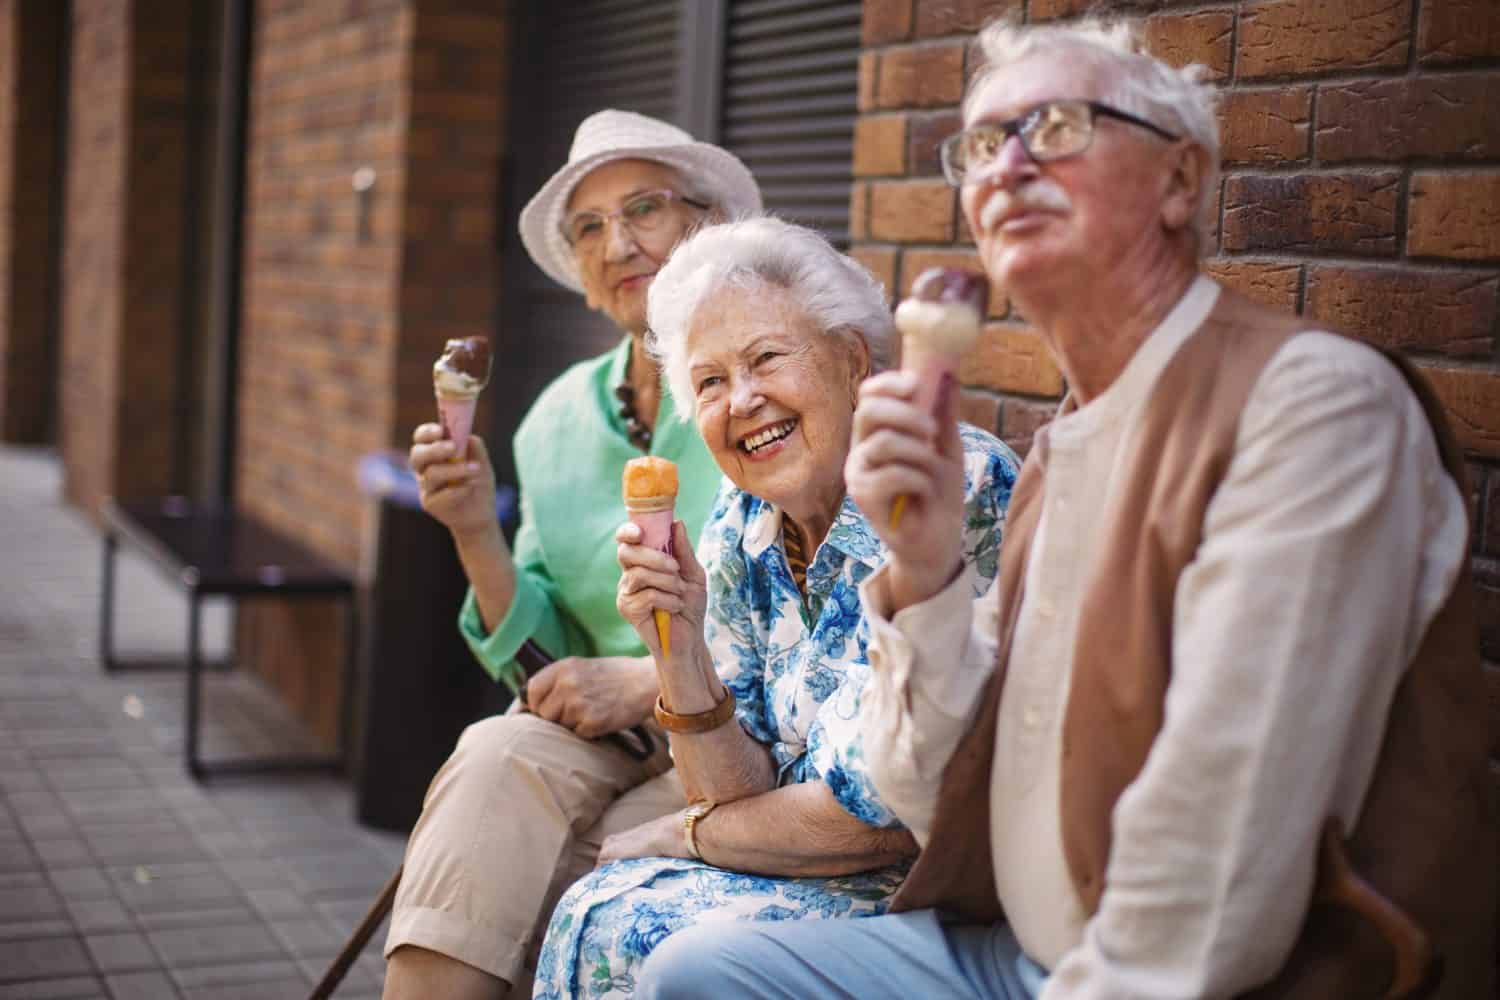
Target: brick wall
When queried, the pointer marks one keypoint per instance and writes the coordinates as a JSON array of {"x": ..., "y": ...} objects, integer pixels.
[
  {"x": 30, "y": 185},
  {"x": 347, "y": 298},
  {"x": 1361, "y": 188},
  {"x": 122, "y": 258}
]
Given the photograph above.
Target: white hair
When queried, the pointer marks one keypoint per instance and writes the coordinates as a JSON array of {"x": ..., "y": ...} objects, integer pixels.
[
  {"x": 1177, "y": 100},
  {"x": 840, "y": 295}
]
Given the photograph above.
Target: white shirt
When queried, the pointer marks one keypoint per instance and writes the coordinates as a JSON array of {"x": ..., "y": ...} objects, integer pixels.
[{"x": 1327, "y": 551}]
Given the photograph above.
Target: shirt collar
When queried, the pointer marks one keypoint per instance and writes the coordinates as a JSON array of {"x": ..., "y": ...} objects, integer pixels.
[
  {"x": 850, "y": 532},
  {"x": 1144, "y": 366}
]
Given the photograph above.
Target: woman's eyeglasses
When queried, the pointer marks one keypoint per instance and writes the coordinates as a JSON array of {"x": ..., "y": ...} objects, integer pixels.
[
  {"x": 1051, "y": 131},
  {"x": 641, "y": 214}
]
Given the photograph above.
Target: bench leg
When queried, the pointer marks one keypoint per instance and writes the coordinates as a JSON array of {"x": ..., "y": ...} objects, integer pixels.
[
  {"x": 107, "y": 604},
  {"x": 194, "y": 685}
]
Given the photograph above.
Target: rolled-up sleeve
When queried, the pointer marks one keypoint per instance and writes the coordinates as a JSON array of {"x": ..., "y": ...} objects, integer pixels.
[{"x": 1327, "y": 551}]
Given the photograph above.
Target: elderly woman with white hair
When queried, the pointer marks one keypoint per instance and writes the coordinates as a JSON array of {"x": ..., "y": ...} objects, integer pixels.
[{"x": 767, "y": 332}]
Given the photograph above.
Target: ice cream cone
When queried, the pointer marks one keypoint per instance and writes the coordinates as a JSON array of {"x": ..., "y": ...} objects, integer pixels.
[
  {"x": 650, "y": 488},
  {"x": 939, "y": 324},
  {"x": 458, "y": 377}
]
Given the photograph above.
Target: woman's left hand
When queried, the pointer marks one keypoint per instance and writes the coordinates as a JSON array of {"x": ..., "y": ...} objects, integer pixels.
[
  {"x": 657, "y": 838},
  {"x": 653, "y": 580}
]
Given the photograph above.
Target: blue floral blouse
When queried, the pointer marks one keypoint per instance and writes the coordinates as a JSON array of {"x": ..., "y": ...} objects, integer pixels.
[{"x": 797, "y": 668}]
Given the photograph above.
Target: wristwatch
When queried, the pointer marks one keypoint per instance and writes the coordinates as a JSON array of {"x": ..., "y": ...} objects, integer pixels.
[{"x": 690, "y": 817}]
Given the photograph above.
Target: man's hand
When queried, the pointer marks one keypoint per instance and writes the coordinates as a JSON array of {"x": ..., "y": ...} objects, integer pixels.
[
  {"x": 657, "y": 838},
  {"x": 893, "y": 455},
  {"x": 460, "y": 494},
  {"x": 594, "y": 696}
]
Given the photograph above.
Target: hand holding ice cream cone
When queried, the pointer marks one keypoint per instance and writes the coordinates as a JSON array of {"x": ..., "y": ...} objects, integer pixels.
[
  {"x": 650, "y": 490},
  {"x": 939, "y": 323},
  {"x": 458, "y": 377}
]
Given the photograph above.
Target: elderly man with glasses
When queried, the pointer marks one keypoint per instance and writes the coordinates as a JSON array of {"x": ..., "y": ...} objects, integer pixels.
[{"x": 1219, "y": 728}]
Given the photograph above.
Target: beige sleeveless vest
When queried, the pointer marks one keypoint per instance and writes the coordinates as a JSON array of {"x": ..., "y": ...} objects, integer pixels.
[{"x": 1426, "y": 836}]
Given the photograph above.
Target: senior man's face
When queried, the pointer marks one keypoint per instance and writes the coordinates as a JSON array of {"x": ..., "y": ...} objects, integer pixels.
[
  {"x": 774, "y": 397},
  {"x": 1063, "y": 222},
  {"x": 617, "y": 269}
]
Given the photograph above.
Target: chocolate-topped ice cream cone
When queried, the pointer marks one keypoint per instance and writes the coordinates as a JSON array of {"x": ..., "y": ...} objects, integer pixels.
[
  {"x": 458, "y": 377},
  {"x": 650, "y": 489},
  {"x": 939, "y": 323}
]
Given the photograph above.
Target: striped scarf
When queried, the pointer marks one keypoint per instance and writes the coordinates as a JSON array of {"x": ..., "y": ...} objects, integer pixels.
[{"x": 796, "y": 552}]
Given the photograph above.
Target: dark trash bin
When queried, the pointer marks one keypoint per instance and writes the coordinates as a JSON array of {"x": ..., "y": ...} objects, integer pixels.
[{"x": 420, "y": 684}]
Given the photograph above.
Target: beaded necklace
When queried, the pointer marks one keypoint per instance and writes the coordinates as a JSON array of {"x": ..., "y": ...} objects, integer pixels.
[{"x": 638, "y": 432}]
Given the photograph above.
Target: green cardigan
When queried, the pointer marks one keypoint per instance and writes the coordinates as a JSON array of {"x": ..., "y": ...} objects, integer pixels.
[{"x": 570, "y": 452}]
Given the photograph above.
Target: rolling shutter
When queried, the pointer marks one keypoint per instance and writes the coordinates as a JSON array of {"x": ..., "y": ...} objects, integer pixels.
[{"x": 789, "y": 99}]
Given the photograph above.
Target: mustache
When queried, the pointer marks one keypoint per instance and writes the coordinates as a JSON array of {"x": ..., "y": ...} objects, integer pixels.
[{"x": 1038, "y": 196}]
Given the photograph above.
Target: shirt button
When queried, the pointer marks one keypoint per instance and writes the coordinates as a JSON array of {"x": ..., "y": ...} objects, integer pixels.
[
  {"x": 1032, "y": 717},
  {"x": 1045, "y": 608}
]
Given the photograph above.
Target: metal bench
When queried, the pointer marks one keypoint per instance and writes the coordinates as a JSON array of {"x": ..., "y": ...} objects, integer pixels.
[{"x": 211, "y": 552}]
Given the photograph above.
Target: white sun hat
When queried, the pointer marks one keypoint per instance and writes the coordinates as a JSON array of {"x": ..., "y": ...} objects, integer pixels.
[{"x": 624, "y": 135}]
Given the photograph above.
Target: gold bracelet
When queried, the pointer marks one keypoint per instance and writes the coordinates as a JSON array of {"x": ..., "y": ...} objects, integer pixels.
[
  {"x": 690, "y": 817},
  {"x": 700, "y": 722}
]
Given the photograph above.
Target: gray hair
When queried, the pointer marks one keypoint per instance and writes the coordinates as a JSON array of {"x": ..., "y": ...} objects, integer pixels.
[
  {"x": 1135, "y": 81},
  {"x": 840, "y": 295}
]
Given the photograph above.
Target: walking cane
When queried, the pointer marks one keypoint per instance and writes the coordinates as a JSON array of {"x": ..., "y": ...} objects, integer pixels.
[{"x": 357, "y": 941}]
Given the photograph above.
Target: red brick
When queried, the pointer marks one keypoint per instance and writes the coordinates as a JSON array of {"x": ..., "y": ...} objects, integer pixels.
[
  {"x": 921, "y": 76},
  {"x": 948, "y": 17},
  {"x": 924, "y": 134},
  {"x": 914, "y": 262},
  {"x": 886, "y": 21},
  {"x": 1270, "y": 125},
  {"x": 1425, "y": 309},
  {"x": 1454, "y": 215},
  {"x": 1020, "y": 419},
  {"x": 1272, "y": 283},
  {"x": 869, "y": 69},
  {"x": 879, "y": 145},
  {"x": 1349, "y": 213},
  {"x": 1202, "y": 37},
  {"x": 1298, "y": 37},
  {"x": 1471, "y": 398},
  {"x": 980, "y": 408},
  {"x": 881, "y": 261},
  {"x": 1046, "y": 10},
  {"x": 1425, "y": 116},
  {"x": 912, "y": 211},
  {"x": 1450, "y": 31},
  {"x": 1011, "y": 358},
  {"x": 859, "y": 210}
]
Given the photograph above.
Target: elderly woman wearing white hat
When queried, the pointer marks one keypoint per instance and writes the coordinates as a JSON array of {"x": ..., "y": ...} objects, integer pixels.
[{"x": 520, "y": 808}]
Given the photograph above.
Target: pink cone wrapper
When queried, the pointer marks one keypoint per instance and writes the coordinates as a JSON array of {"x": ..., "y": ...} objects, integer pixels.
[
  {"x": 656, "y": 530},
  {"x": 457, "y": 417}
]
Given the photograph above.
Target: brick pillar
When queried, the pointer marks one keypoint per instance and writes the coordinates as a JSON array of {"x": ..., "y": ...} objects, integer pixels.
[
  {"x": 122, "y": 248},
  {"x": 30, "y": 186},
  {"x": 349, "y": 297}
]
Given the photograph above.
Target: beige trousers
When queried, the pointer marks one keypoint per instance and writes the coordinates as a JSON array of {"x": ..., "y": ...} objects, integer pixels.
[{"x": 513, "y": 818}]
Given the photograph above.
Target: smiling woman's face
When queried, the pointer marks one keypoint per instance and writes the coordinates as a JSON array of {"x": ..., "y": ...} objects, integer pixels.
[
  {"x": 774, "y": 397},
  {"x": 617, "y": 270}
]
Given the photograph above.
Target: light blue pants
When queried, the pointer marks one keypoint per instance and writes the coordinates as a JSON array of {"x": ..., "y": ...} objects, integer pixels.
[{"x": 898, "y": 956}]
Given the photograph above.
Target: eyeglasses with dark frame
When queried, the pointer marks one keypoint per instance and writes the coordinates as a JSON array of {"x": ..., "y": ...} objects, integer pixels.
[
  {"x": 640, "y": 214},
  {"x": 1051, "y": 131}
]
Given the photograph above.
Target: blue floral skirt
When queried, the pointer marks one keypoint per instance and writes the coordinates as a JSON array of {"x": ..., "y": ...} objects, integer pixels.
[{"x": 612, "y": 918}]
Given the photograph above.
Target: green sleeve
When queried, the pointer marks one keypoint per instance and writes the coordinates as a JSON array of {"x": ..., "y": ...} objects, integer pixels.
[{"x": 533, "y": 614}]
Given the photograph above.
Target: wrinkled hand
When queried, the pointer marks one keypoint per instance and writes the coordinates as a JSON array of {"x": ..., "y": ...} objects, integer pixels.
[
  {"x": 653, "y": 579},
  {"x": 459, "y": 494},
  {"x": 594, "y": 696},
  {"x": 893, "y": 455},
  {"x": 657, "y": 838}
]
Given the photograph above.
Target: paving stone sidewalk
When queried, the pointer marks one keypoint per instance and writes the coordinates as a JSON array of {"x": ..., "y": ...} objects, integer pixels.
[{"x": 120, "y": 876}]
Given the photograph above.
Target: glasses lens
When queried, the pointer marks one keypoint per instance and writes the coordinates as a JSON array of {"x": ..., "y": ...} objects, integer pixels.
[
  {"x": 585, "y": 228},
  {"x": 1056, "y": 130},
  {"x": 971, "y": 151},
  {"x": 645, "y": 212}
]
